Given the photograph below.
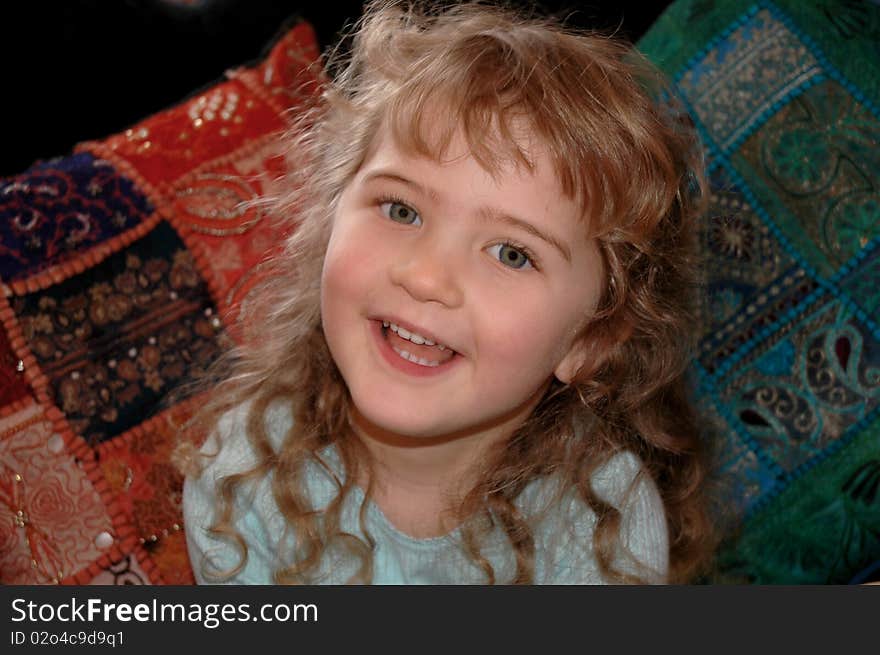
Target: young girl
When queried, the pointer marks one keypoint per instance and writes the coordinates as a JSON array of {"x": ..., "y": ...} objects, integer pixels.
[{"x": 467, "y": 366}]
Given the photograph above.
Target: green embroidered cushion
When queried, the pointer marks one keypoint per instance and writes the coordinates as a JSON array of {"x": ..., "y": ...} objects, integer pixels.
[{"x": 785, "y": 95}]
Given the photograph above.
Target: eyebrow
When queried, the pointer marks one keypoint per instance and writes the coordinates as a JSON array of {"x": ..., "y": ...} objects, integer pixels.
[{"x": 487, "y": 213}]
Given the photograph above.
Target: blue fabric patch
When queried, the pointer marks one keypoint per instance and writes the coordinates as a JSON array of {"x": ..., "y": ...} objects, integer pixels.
[{"x": 58, "y": 209}]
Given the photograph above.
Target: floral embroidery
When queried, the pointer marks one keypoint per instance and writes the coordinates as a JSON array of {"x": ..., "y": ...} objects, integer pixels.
[{"x": 113, "y": 343}]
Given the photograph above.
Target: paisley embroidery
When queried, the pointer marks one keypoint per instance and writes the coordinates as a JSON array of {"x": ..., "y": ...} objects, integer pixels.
[
  {"x": 56, "y": 210},
  {"x": 788, "y": 366}
]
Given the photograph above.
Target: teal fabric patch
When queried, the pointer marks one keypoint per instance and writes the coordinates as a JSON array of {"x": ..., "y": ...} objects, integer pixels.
[{"x": 785, "y": 96}]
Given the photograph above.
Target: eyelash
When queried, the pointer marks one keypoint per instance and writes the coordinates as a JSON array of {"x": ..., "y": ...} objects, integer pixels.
[
  {"x": 533, "y": 260},
  {"x": 396, "y": 200},
  {"x": 525, "y": 250}
]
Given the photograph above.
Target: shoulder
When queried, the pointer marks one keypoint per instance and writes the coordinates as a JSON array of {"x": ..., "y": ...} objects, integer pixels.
[
  {"x": 622, "y": 476},
  {"x": 625, "y": 484},
  {"x": 227, "y": 451}
]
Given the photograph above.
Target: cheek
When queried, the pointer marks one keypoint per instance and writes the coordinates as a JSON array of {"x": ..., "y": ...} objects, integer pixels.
[
  {"x": 338, "y": 266},
  {"x": 524, "y": 335},
  {"x": 536, "y": 325},
  {"x": 347, "y": 264},
  {"x": 339, "y": 281}
]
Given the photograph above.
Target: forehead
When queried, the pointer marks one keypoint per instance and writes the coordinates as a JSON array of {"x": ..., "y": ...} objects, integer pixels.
[
  {"x": 436, "y": 127},
  {"x": 456, "y": 164},
  {"x": 497, "y": 159}
]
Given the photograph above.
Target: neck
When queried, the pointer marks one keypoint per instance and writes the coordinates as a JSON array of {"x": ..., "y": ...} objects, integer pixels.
[
  {"x": 421, "y": 464},
  {"x": 419, "y": 482}
]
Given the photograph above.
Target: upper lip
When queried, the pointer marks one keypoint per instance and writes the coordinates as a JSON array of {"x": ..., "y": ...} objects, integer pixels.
[{"x": 412, "y": 327}]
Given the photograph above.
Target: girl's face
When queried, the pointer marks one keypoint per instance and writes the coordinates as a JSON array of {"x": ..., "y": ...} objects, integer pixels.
[{"x": 450, "y": 297}]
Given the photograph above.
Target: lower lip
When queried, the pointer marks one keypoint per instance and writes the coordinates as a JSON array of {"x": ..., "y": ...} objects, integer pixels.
[{"x": 404, "y": 365}]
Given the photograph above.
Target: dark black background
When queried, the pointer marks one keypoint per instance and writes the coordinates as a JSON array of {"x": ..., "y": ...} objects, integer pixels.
[{"x": 83, "y": 69}]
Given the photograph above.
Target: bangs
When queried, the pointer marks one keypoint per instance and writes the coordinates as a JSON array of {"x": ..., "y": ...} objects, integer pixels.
[
  {"x": 428, "y": 123},
  {"x": 512, "y": 91}
]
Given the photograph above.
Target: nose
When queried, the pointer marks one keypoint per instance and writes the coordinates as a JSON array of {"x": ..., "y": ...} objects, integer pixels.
[{"x": 427, "y": 271}]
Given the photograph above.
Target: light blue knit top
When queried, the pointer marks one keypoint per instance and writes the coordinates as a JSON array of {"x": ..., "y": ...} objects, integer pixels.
[{"x": 562, "y": 532}]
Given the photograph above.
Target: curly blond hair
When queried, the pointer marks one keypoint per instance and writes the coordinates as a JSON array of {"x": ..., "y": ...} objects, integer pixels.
[{"x": 633, "y": 165}]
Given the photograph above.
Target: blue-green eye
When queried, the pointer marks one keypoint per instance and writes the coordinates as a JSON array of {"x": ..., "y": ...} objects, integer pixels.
[
  {"x": 400, "y": 213},
  {"x": 511, "y": 256}
]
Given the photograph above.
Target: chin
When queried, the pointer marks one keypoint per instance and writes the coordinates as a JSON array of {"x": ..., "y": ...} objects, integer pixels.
[{"x": 390, "y": 421}]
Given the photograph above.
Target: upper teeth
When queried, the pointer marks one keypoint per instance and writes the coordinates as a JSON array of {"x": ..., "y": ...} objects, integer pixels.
[{"x": 412, "y": 336}]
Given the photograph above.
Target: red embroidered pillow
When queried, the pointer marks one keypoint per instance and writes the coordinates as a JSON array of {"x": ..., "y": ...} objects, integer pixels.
[{"x": 118, "y": 264}]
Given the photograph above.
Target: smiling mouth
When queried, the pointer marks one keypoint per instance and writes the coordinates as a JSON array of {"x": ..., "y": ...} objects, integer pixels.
[{"x": 414, "y": 347}]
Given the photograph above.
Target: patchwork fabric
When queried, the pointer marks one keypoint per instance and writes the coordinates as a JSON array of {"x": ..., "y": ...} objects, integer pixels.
[
  {"x": 52, "y": 520},
  {"x": 126, "y": 571},
  {"x": 59, "y": 210},
  {"x": 143, "y": 490},
  {"x": 14, "y": 391},
  {"x": 785, "y": 97},
  {"x": 120, "y": 264},
  {"x": 111, "y": 342},
  {"x": 233, "y": 236},
  {"x": 222, "y": 124}
]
